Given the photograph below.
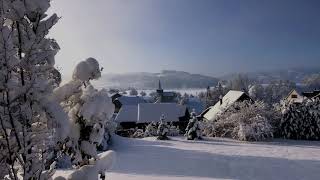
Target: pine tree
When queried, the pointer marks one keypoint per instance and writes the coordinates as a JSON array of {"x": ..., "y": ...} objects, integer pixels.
[
  {"x": 301, "y": 121},
  {"x": 193, "y": 130},
  {"x": 162, "y": 129},
  {"x": 31, "y": 121}
]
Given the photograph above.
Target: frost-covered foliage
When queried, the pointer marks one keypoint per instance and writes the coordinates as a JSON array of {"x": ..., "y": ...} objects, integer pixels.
[
  {"x": 193, "y": 130},
  {"x": 151, "y": 130},
  {"x": 301, "y": 121},
  {"x": 91, "y": 171},
  {"x": 31, "y": 121},
  {"x": 312, "y": 82},
  {"x": 212, "y": 96},
  {"x": 173, "y": 130},
  {"x": 245, "y": 121},
  {"x": 138, "y": 133},
  {"x": 89, "y": 111},
  {"x": 162, "y": 129},
  {"x": 143, "y": 94},
  {"x": 271, "y": 93},
  {"x": 133, "y": 92}
]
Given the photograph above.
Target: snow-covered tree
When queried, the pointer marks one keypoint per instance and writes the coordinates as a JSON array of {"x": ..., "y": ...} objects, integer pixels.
[
  {"x": 301, "y": 121},
  {"x": 133, "y": 92},
  {"x": 31, "y": 121},
  {"x": 162, "y": 129},
  {"x": 193, "y": 130},
  {"x": 240, "y": 82},
  {"x": 151, "y": 130},
  {"x": 89, "y": 111},
  {"x": 312, "y": 82},
  {"x": 245, "y": 121},
  {"x": 142, "y": 93}
]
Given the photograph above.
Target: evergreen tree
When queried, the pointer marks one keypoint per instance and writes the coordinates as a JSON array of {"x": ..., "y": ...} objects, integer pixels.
[
  {"x": 193, "y": 130},
  {"x": 162, "y": 129},
  {"x": 301, "y": 121}
]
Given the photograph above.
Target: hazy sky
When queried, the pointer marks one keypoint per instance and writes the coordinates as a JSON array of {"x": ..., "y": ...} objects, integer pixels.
[{"x": 212, "y": 37}]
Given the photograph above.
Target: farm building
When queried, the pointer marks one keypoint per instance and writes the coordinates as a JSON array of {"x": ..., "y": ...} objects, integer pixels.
[
  {"x": 145, "y": 113},
  {"x": 224, "y": 103}
]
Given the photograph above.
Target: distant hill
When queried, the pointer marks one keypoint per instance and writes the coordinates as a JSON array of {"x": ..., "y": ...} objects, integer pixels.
[
  {"x": 170, "y": 79},
  {"x": 293, "y": 74}
]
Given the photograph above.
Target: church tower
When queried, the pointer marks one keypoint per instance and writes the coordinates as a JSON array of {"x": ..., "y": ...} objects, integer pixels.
[{"x": 159, "y": 90}]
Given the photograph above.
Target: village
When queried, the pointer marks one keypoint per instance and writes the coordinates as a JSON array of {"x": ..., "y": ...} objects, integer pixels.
[{"x": 136, "y": 115}]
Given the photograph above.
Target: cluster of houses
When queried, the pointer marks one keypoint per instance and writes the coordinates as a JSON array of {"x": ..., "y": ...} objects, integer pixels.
[{"x": 136, "y": 112}]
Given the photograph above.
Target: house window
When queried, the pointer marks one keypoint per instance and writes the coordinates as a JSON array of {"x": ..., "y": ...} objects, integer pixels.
[{"x": 294, "y": 96}]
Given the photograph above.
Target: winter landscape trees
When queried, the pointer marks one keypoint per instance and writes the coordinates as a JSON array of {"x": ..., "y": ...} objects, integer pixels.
[
  {"x": 32, "y": 122},
  {"x": 35, "y": 119}
]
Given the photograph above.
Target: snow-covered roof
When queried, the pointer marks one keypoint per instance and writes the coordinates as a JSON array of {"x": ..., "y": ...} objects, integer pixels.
[
  {"x": 230, "y": 98},
  {"x": 131, "y": 100},
  {"x": 127, "y": 114},
  {"x": 298, "y": 98},
  {"x": 149, "y": 112}
]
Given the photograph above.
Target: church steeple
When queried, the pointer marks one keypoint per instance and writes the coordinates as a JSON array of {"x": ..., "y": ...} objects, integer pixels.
[
  {"x": 159, "y": 90},
  {"x": 159, "y": 86}
]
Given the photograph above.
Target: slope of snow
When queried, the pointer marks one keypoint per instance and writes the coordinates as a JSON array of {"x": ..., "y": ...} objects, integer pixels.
[{"x": 214, "y": 158}]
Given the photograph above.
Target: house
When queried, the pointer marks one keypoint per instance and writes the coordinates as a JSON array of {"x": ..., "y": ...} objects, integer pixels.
[
  {"x": 294, "y": 97},
  {"x": 312, "y": 94},
  {"x": 165, "y": 96},
  {"x": 224, "y": 103},
  {"x": 145, "y": 113},
  {"x": 127, "y": 116},
  {"x": 127, "y": 101}
]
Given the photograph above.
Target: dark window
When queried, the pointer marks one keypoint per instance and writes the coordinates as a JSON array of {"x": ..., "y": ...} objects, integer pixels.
[{"x": 294, "y": 96}]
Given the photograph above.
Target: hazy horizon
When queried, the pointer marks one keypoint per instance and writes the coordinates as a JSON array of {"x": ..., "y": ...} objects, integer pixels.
[{"x": 207, "y": 37}]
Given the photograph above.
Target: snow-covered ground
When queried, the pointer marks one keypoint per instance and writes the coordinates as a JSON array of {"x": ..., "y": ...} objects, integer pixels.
[{"x": 214, "y": 158}]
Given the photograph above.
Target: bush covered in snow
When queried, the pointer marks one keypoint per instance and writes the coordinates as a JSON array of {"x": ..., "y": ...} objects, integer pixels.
[
  {"x": 151, "y": 130},
  {"x": 301, "y": 121},
  {"x": 244, "y": 121},
  {"x": 138, "y": 133},
  {"x": 89, "y": 111}
]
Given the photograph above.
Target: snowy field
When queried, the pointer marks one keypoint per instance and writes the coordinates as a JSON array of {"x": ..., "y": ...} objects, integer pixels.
[{"x": 215, "y": 158}]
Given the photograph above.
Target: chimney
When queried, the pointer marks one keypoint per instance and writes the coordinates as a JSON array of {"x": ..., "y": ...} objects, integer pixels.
[{"x": 220, "y": 99}]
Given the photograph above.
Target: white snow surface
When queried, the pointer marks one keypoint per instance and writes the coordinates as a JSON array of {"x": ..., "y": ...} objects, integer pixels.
[{"x": 214, "y": 159}]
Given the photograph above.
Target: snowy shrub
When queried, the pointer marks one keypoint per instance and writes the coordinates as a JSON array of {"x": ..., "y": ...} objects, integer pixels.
[
  {"x": 31, "y": 121},
  {"x": 138, "y": 134},
  {"x": 133, "y": 92},
  {"x": 301, "y": 121},
  {"x": 173, "y": 130},
  {"x": 89, "y": 110},
  {"x": 151, "y": 130},
  {"x": 244, "y": 121},
  {"x": 257, "y": 128}
]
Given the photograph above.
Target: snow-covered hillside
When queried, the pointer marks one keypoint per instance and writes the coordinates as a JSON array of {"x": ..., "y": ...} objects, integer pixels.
[{"x": 215, "y": 158}]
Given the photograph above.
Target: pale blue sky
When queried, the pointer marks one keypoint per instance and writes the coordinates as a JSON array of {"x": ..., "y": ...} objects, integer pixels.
[{"x": 212, "y": 37}]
